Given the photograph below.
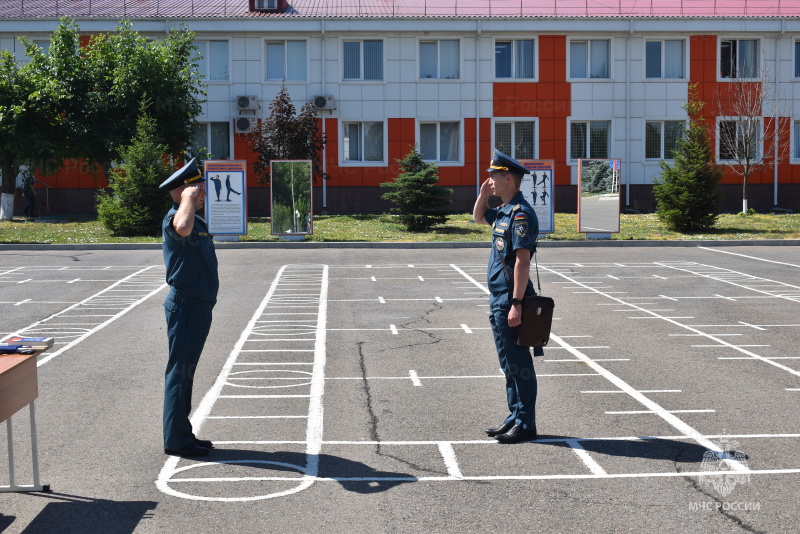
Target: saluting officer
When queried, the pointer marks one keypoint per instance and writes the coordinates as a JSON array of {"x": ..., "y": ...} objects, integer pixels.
[
  {"x": 514, "y": 232},
  {"x": 193, "y": 279}
]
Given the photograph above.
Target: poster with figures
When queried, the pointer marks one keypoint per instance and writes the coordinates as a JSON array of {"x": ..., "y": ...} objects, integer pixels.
[
  {"x": 226, "y": 197},
  {"x": 537, "y": 187}
]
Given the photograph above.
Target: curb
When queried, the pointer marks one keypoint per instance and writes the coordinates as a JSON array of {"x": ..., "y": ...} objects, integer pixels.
[{"x": 224, "y": 245}]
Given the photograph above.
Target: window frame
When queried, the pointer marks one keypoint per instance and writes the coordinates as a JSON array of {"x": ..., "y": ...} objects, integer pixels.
[
  {"x": 344, "y": 162},
  {"x": 796, "y": 59},
  {"x": 718, "y": 141},
  {"x": 588, "y": 60},
  {"x": 513, "y": 121},
  {"x": 610, "y": 143},
  {"x": 662, "y": 150},
  {"x": 439, "y": 122},
  {"x": 663, "y": 77},
  {"x": 362, "y": 59},
  {"x": 513, "y": 40},
  {"x": 794, "y": 137},
  {"x": 758, "y": 57},
  {"x": 285, "y": 41},
  {"x": 438, "y": 78},
  {"x": 207, "y": 59}
]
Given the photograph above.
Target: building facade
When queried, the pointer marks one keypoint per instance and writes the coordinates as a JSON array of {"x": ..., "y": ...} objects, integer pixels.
[{"x": 537, "y": 79}]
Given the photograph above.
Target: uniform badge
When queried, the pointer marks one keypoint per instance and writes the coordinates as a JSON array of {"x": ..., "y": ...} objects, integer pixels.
[
  {"x": 503, "y": 224},
  {"x": 521, "y": 229},
  {"x": 500, "y": 243}
]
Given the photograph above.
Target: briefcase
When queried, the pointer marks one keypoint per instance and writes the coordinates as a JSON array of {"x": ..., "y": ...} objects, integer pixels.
[{"x": 537, "y": 318}]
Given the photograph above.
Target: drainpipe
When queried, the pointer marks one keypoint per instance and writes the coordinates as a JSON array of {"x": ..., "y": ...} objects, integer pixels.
[
  {"x": 628, "y": 112},
  {"x": 325, "y": 146},
  {"x": 777, "y": 119},
  {"x": 477, "y": 107}
]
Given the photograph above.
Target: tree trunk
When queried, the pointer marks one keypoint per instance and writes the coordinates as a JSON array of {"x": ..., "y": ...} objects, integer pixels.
[
  {"x": 6, "y": 206},
  {"x": 744, "y": 205}
]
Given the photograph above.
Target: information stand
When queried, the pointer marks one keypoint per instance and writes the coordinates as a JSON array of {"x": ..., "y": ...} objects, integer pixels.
[{"x": 19, "y": 388}]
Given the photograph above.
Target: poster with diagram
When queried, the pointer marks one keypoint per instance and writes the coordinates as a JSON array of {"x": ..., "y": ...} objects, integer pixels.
[{"x": 537, "y": 188}]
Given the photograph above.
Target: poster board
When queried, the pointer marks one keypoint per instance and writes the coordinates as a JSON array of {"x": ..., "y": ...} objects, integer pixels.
[
  {"x": 537, "y": 188},
  {"x": 226, "y": 200},
  {"x": 598, "y": 197}
]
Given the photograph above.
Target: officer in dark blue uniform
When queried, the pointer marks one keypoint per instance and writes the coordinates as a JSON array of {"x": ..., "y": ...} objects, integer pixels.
[
  {"x": 192, "y": 276},
  {"x": 514, "y": 232}
]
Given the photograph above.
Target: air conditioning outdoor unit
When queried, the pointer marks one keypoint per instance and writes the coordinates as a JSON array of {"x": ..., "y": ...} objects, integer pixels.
[
  {"x": 324, "y": 102},
  {"x": 245, "y": 123},
  {"x": 247, "y": 102}
]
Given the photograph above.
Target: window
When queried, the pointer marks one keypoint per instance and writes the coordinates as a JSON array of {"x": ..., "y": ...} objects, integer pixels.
[
  {"x": 266, "y": 4},
  {"x": 363, "y": 60},
  {"x": 589, "y": 59},
  {"x": 739, "y": 139},
  {"x": 363, "y": 141},
  {"x": 439, "y": 59},
  {"x": 796, "y": 141},
  {"x": 797, "y": 59},
  {"x": 517, "y": 139},
  {"x": 589, "y": 139},
  {"x": 664, "y": 59},
  {"x": 286, "y": 60},
  {"x": 212, "y": 60},
  {"x": 440, "y": 141},
  {"x": 513, "y": 59},
  {"x": 44, "y": 45},
  {"x": 738, "y": 58},
  {"x": 213, "y": 138},
  {"x": 661, "y": 139}
]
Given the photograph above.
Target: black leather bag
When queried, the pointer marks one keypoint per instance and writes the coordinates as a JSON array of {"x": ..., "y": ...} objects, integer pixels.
[{"x": 537, "y": 318}]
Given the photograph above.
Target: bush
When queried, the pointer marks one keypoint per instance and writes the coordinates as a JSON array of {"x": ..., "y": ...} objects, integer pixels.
[
  {"x": 686, "y": 193},
  {"x": 419, "y": 200},
  {"x": 134, "y": 205}
]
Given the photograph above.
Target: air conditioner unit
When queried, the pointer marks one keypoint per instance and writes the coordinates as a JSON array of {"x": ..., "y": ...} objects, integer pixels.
[
  {"x": 324, "y": 102},
  {"x": 247, "y": 102},
  {"x": 245, "y": 123}
]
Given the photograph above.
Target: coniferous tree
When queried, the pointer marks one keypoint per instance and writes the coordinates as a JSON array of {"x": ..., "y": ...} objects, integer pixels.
[
  {"x": 134, "y": 205},
  {"x": 419, "y": 200},
  {"x": 687, "y": 193}
]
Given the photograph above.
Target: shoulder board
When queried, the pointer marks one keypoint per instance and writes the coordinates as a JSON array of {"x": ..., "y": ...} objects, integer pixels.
[{"x": 515, "y": 208}]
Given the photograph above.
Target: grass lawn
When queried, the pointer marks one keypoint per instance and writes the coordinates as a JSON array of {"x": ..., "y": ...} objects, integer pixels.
[{"x": 384, "y": 228}]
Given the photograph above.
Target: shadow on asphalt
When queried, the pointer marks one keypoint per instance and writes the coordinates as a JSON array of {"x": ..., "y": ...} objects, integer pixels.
[{"x": 79, "y": 515}]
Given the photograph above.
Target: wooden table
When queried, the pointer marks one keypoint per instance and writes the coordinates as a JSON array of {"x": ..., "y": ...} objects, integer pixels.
[{"x": 19, "y": 387}]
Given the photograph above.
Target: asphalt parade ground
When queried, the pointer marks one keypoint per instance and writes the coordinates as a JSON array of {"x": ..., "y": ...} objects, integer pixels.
[{"x": 347, "y": 389}]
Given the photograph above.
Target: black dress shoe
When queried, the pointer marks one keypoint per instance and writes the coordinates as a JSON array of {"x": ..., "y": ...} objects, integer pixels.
[
  {"x": 203, "y": 443},
  {"x": 189, "y": 451},
  {"x": 502, "y": 429},
  {"x": 517, "y": 434}
]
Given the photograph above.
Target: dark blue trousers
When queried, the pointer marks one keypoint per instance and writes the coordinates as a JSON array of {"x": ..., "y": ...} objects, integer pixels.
[
  {"x": 516, "y": 363},
  {"x": 188, "y": 324}
]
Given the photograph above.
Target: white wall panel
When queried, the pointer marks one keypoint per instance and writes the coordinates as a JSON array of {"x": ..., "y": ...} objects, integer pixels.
[
  {"x": 373, "y": 92},
  {"x": 408, "y": 108},
  {"x": 253, "y": 48},
  {"x": 349, "y": 110},
  {"x": 450, "y": 108},
  {"x": 428, "y": 109},
  {"x": 219, "y": 111},
  {"x": 408, "y": 92},
  {"x": 371, "y": 110},
  {"x": 391, "y": 109}
]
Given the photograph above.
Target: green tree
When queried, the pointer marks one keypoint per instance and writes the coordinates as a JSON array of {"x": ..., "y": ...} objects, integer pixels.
[
  {"x": 83, "y": 102},
  {"x": 286, "y": 134},
  {"x": 687, "y": 193},
  {"x": 419, "y": 200},
  {"x": 134, "y": 205}
]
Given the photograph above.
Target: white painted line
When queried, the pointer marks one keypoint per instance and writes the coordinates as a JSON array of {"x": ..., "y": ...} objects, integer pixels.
[
  {"x": 748, "y": 257},
  {"x": 636, "y": 412},
  {"x": 466, "y": 329},
  {"x": 411, "y": 265},
  {"x": 263, "y": 397},
  {"x": 439, "y": 300},
  {"x": 393, "y": 328},
  {"x": 22, "y": 302},
  {"x": 421, "y": 279},
  {"x": 666, "y": 297},
  {"x": 681, "y": 426},
  {"x": 374, "y": 279},
  {"x": 752, "y": 325},
  {"x": 640, "y": 391},
  {"x": 792, "y": 389},
  {"x": 381, "y": 300},
  {"x": 23, "y": 281},
  {"x": 586, "y": 458},
  {"x": 257, "y": 417},
  {"x": 73, "y": 281},
  {"x": 449, "y": 457},
  {"x": 455, "y": 377},
  {"x": 468, "y": 277},
  {"x": 414, "y": 378},
  {"x": 99, "y": 327}
]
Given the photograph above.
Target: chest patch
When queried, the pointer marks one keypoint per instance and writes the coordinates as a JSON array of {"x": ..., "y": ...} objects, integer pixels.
[{"x": 500, "y": 243}]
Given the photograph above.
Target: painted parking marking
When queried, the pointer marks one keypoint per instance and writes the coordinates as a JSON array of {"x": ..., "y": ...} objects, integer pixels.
[
  {"x": 270, "y": 336},
  {"x": 142, "y": 285}
]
